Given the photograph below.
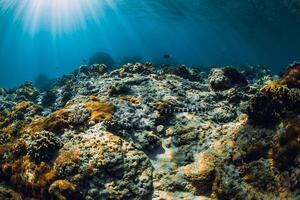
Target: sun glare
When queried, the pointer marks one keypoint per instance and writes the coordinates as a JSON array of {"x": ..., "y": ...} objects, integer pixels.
[{"x": 56, "y": 16}]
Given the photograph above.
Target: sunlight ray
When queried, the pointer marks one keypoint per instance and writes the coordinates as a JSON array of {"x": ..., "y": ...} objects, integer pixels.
[{"x": 55, "y": 16}]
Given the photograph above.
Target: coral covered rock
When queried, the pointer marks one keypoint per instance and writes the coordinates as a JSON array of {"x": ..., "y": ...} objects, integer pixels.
[
  {"x": 226, "y": 78},
  {"x": 201, "y": 173},
  {"x": 27, "y": 91},
  {"x": 63, "y": 190},
  {"x": 100, "y": 110},
  {"x": 272, "y": 103},
  {"x": 48, "y": 98},
  {"x": 229, "y": 184},
  {"x": 9, "y": 194},
  {"x": 43, "y": 145},
  {"x": 29, "y": 178},
  {"x": 286, "y": 150},
  {"x": 146, "y": 132},
  {"x": 113, "y": 168},
  {"x": 94, "y": 69},
  {"x": 292, "y": 78}
]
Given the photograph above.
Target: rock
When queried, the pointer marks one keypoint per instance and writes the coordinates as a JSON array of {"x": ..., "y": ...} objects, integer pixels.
[
  {"x": 111, "y": 166},
  {"x": 287, "y": 145},
  {"x": 272, "y": 103},
  {"x": 226, "y": 78},
  {"x": 201, "y": 173},
  {"x": 229, "y": 184},
  {"x": 63, "y": 190},
  {"x": 94, "y": 69},
  {"x": 292, "y": 77},
  {"x": 9, "y": 194},
  {"x": 146, "y": 132},
  {"x": 43, "y": 145},
  {"x": 27, "y": 91}
]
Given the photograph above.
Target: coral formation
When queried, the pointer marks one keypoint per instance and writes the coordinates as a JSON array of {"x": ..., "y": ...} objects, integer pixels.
[
  {"x": 43, "y": 145},
  {"x": 93, "y": 70},
  {"x": 63, "y": 190},
  {"x": 114, "y": 168},
  {"x": 152, "y": 132},
  {"x": 274, "y": 102},
  {"x": 287, "y": 147},
  {"x": 226, "y": 78},
  {"x": 292, "y": 77},
  {"x": 27, "y": 91},
  {"x": 100, "y": 110},
  {"x": 201, "y": 173}
]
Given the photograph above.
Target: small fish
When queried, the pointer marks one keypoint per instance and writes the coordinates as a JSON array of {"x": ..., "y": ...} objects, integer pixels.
[
  {"x": 166, "y": 56},
  {"x": 84, "y": 61}
]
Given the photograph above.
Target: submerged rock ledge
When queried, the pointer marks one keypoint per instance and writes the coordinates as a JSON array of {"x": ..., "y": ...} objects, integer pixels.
[{"x": 145, "y": 132}]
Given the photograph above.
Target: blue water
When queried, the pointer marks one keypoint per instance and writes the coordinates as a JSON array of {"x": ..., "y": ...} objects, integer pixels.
[{"x": 54, "y": 36}]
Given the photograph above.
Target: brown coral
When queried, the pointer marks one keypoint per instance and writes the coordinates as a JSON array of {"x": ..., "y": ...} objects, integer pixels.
[
  {"x": 201, "y": 173},
  {"x": 30, "y": 178},
  {"x": 273, "y": 103},
  {"x": 58, "y": 121},
  {"x": 226, "y": 78},
  {"x": 292, "y": 78},
  {"x": 287, "y": 147},
  {"x": 9, "y": 194},
  {"x": 63, "y": 190},
  {"x": 43, "y": 145},
  {"x": 100, "y": 110}
]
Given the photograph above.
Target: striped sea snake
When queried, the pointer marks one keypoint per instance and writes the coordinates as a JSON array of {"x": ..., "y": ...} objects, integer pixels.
[{"x": 183, "y": 109}]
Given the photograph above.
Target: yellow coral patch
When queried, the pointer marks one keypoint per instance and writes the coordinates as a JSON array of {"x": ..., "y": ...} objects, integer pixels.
[
  {"x": 100, "y": 110},
  {"x": 22, "y": 106},
  {"x": 29, "y": 176},
  {"x": 272, "y": 86},
  {"x": 131, "y": 99},
  {"x": 62, "y": 189},
  {"x": 58, "y": 120},
  {"x": 285, "y": 152},
  {"x": 36, "y": 125},
  {"x": 160, "y": 106},
  {"x": 67, "y": 158}
]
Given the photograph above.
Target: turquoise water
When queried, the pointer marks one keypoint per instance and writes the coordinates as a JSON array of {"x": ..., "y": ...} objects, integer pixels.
[{"x": 53, "y": 37}]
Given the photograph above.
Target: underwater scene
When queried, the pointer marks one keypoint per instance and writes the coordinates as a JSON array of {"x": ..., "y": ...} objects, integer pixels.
[{"x": 149, "y": 99}]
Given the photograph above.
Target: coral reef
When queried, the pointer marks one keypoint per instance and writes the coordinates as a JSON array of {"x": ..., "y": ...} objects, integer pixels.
[{"x": 152, "y": 132}]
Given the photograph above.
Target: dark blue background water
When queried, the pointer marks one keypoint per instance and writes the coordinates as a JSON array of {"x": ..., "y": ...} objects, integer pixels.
[{"x": 53, "y": 36}]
